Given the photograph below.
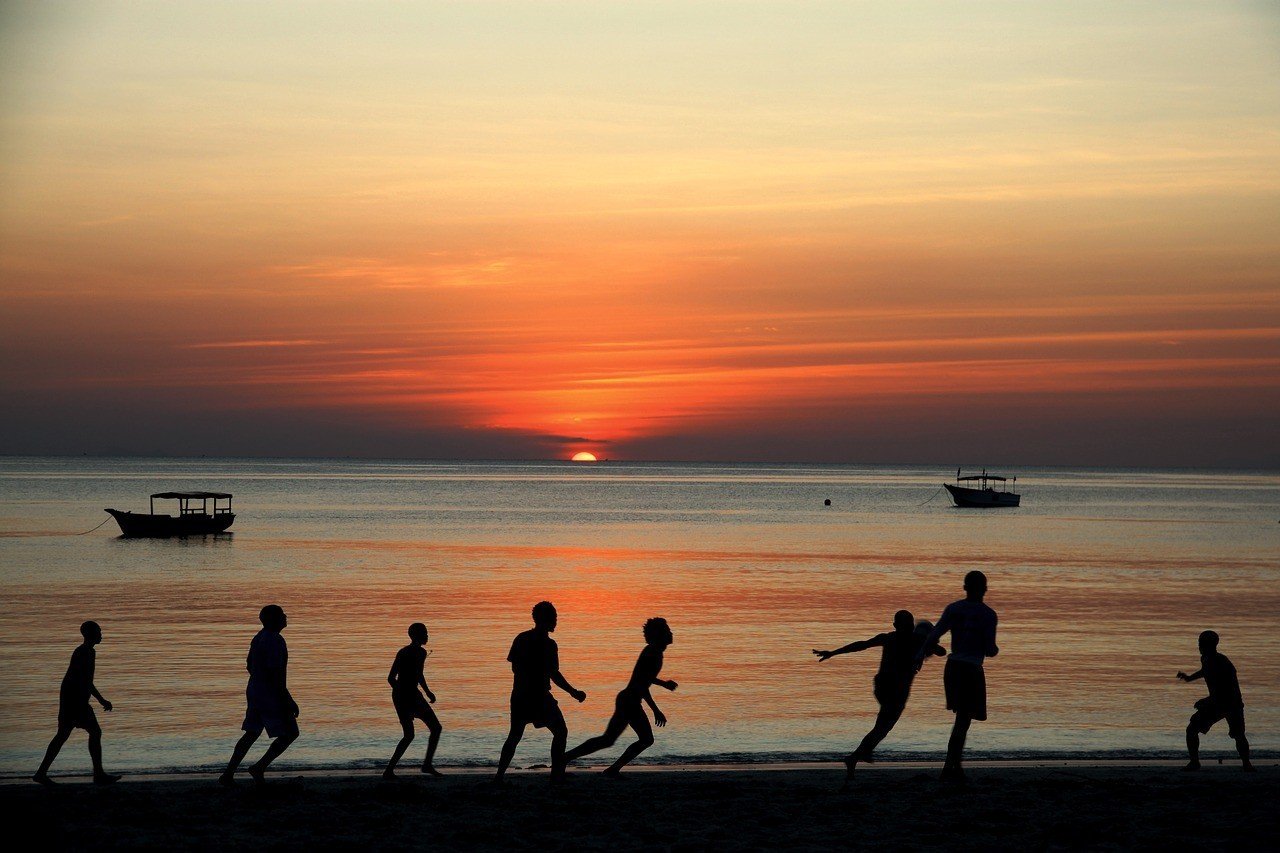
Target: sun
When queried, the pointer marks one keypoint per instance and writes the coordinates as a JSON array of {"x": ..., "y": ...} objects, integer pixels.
[{"x": 584, "y": 456}]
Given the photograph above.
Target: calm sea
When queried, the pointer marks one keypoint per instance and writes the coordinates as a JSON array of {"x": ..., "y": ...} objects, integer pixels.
[{"x": 1102, "y": 579}]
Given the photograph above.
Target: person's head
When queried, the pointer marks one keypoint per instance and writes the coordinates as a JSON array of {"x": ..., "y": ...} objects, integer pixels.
[
  {"x": 903, "y": 620},
  {"x": 272, "y": 617},
  {"x": 544, "y": 616},
  {"x": 658, "y": 633},
  {"x": 418, "y": 633},
  {"x": 975, "y": 584},
  {"x": 92, "y": 632},
  {"x": 924, "y": 627},
  {"x": 1208, "y": 642}
]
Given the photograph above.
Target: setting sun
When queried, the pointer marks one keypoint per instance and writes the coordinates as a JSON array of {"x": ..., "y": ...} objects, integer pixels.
[{"x": 584, "y": 456}]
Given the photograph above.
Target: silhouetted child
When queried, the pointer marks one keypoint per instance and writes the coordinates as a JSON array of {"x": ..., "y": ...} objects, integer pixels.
[
  {"x": 74, "y": 710},
  {"x": 405, "y": 677},
  {"x": 535, "y": 663},
  {"x": 627, "y": 710},
  {"x": 1224, "y": 701},
  {"x": 973, "y": 639},
  {"x": 270, "y": 705},
  {"x": 892, "y": 682}
]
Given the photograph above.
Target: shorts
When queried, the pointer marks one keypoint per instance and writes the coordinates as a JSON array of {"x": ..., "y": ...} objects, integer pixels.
[
  {"x": 965, "y": 686},
  {"x": 1210, "y": 711},
  {"x": 276, "y": 720},
  {"x": 891, "y": 693},
  {"x": 78, "y": 717},
  {"x": 539, "y": 710},
  {"x": 412, "y": 706}
]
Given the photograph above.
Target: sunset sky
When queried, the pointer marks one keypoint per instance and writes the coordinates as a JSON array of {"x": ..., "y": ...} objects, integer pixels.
[{"x": 979, "y": 233}]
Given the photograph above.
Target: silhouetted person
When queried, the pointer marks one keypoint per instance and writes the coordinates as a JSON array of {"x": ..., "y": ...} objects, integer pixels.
[
  {"x": 535, "y": 663},
  {"x": 405, "y": 677},
  {"x": 892, "y": 682},
  {"x": 1224, "y": 701},
  {"x": 270, "y": 706},
  {"x": 627, "y": 710},
  {"x": 973, "y": 638},
  {"x": 74, "y": 710}
]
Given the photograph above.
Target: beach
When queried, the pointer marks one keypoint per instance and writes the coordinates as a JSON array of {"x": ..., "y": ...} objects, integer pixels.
[{"x": 889, "y": 806}]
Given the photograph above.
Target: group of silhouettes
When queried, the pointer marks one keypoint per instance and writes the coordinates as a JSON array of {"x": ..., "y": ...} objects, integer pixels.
[{"x": 535, "y": 666}]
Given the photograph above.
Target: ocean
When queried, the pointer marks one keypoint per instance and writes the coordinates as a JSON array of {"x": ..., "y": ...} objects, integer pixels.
[{"x": 1102, "y": 580}]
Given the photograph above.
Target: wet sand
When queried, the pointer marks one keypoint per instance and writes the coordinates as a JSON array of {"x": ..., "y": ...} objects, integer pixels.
[{"x": 1065, "y": 806}]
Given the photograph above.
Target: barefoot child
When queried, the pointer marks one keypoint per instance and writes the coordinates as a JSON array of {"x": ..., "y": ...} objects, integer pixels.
[
  {"x": 74, "y": 710},
  {"x": 892, "y": 683},
  {"x": 1224, "y": 701},
  {"x": 406, "y": 677},
  {"x": 627, "y": 710}
]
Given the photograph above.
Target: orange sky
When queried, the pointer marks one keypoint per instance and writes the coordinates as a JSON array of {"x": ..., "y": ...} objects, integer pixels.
[{"x": 830, "y": 231}]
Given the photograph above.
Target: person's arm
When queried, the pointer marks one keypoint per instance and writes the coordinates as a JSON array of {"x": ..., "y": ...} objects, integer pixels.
[
  {"x": 668, "y": 685},
  {"x": 393, "y": 675},
  {"x": 280, "y": 674},
  {"x": 992, "y": 648},
  {"x": 1199, "y": 673},
  {"x": 422, "y": 682},
  {"x": 943, "y": 626},
  {"x": 858, "y": 646},
  {"x": 563, "y": 684},
  {"x": 659, "y": 718},
  {"x": 93, "y": 691}
]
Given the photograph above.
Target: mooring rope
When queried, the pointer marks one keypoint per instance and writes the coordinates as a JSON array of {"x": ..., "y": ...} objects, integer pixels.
[{"x": 931, "y": 497}]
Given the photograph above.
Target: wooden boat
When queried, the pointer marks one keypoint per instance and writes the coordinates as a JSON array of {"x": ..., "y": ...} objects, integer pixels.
[
  {"x": 191, "y": 520},
  {"x": 985, "y": 496}
]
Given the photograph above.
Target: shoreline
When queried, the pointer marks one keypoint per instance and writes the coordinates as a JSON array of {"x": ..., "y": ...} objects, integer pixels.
[
  {"x": 476, "y": 771},
  {"x": 890, "y": 806}
]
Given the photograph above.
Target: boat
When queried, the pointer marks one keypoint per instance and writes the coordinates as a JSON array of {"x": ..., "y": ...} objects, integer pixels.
[
  {"x": 985, "y": 496},
  {"x": 192, "y": 519}
]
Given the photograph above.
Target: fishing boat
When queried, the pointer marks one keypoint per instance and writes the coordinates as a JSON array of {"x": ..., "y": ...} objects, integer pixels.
[
  {"x": 985, "y": 495},
  {"x": 193, "y": 518}
]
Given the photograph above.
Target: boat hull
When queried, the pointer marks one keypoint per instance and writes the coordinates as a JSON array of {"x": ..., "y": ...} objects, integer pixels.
[
  {"x": 140, "y": 525},
  {"x": 981, "y": 498}
]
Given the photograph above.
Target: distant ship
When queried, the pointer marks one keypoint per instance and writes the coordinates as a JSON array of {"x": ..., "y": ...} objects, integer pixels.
[
  {"x": 985, "y": 496},
  {"x": 191, "y": 520}
]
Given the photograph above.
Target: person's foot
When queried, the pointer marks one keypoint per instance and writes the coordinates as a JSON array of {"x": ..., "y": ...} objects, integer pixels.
[
  {"x": 430, "y": 771},
  {"x": 227, "y": 780},
  {"x": 614, "y": 773},
  {"x": 105, "y": 778},
  {"x": 1191, "y": 765},
  {"x": 952, "y": 775},
  {"x": 389, "y": 773},
  {"x": 259, "y": 774},
  {"x": 1248, "y": 767},
  {"x": 43, "y": 779}
]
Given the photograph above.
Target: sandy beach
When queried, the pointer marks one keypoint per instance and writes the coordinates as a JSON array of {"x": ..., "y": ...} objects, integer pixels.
[{"x": 888, "y": 807}]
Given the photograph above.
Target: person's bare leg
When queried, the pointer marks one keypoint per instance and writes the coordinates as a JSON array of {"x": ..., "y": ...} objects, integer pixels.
[
  {"x": 1242, "y": 747},
  {"x": 428, "y": 762},
  {"x": 955, "y": 749},
  {"x": 644, "y": 739},
  {"x": 1193, "y": 747},
  {"x": 407, "y": 726},
  {"x": 55, "y": 746},
  {"x": 100, "y": 776},
  {"x": 259, "y": 768},
  {"x": 237, "y": 755},
  {"x": 559, "y": 737},
  {"x": 509, "y": 749},
  {"x": 617, "y": 725},
  {"x": 885, "y": 721}
]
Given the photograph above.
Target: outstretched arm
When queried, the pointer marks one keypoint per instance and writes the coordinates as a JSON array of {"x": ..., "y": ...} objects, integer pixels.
[
  {"x": 858, "y": 646},
  {"x": 1199, "y": 673},
  {"x": 563, "y": 684}
]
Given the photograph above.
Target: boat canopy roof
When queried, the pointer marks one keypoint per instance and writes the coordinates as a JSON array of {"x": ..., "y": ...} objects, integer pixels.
[
  {"x": 191, "y": 495},
  {"x": 983, "y": 477}
]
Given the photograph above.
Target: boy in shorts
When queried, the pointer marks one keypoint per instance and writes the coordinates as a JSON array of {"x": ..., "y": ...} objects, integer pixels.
[
  {"x": 270, "y": 705},
  {"x": 1224, "y": 701},
  {"x": 405, "y": 677},
  {"x": 74, "y": 710}
]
